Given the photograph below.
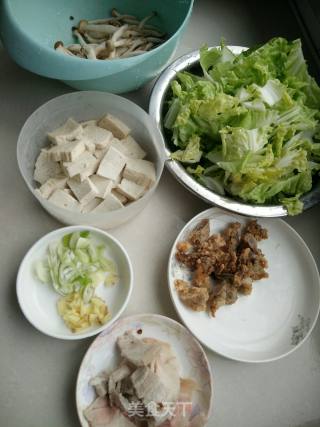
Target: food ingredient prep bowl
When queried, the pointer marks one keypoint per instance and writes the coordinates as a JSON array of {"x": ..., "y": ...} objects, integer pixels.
[
  {"x": 157, "y": 109},
  {"x": 38, "y": 300},
  {"x": 30, "y": 29},
  {"x": 86, "y": 106}
]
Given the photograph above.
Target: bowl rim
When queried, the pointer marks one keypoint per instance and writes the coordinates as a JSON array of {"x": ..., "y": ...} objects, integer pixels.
[
  {"x": 52, "y": 235},
  {"x": 164, "y": 318},
  {"x": 211, "y": 211},
  {"x": 156, "y": 102},
  {"x": 75, "y": 59},
  {"x": 151, "y": 127}
]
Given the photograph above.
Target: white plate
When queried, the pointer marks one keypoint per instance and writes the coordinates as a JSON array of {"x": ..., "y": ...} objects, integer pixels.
[
  {"x": 38, "y": 301},
  {"x": 103, "y": 355},
  {"x": 281, "y": 311}
]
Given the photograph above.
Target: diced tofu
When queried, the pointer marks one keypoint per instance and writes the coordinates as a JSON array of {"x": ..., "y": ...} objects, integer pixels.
[
  {"x": 142, "y": 172},
  {"x": 85, "y": 165},
  {"x": 130, "y": 189},
  {"x": 89, "y": 145},
  {"x": 110, "y": 203},
  {"x": 119, "y": 196},
  {"x": 114, "y": 125},
  {"x": 68, "y": 191},
  {"x": 103, "y": 185},
  {"x": 89, "y": 123},
  {"x": 85, "y": 208},
  {"x": 129, "y": 147},
  {"x": 84, "y": 191},
  {"x": 45, "y": 168},
  {"x": 99, "y": 154},
  {"x": 112, "y": 164},
  {"x": 70, "y": 130},
  {"x": 101, "y": 138},
  {"x": 64, "y": 200},
  {"x": 51, "y": 185},
  {"x": 67, "y": 152}
]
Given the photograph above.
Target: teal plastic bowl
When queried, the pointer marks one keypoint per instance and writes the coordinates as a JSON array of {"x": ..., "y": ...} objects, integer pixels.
[{"x": 30, "y": 28}]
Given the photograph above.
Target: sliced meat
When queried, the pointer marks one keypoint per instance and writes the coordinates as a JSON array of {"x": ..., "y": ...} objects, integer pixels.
[
  {"x": 100, "y": 384},
  {"x": 194, "y": 298},
  {"x": 148, "y": 386},
  {"x": 137, "y": 352},
  {"x": 99, "y": 414},
  {"x": 121, "y": 402}
]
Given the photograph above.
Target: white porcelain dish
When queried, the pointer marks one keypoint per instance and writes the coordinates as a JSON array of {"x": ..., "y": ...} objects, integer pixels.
[
  {"x": 83, "y": 106},
  {"x": 103, "y": 355},
  {"x": 38, "y": 300},
  {"x": 280, "y": 313}
]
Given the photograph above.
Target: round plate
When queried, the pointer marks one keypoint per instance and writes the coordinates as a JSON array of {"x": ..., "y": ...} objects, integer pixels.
[
  {"x": 281, "y": 311},
  {"x": 103, "y": 355},
  {"x": 38, "y": 301},
  {"x": 157, "y": 104}
]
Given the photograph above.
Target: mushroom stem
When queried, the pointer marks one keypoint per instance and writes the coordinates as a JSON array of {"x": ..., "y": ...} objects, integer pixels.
[
  {"x": 146, "y": 19},
  {"x": 118, "y": 15},
  {"x": 89, "y": 51},
  {"x": 119, "y": 33},
  {"x": 74, "y": 47},
  {"x": 58, "y": 46},
  {"x": 84, "y": 26},
  {"x": 92, "y": 39}
]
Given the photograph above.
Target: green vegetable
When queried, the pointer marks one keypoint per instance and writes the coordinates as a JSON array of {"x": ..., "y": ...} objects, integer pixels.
[
  {"x": 75, "y": 264},
  {"x": 249, "y": 125}
]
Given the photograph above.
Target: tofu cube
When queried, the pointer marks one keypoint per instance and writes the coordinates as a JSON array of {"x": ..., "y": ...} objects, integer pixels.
[
  {"x": 130, "y": 189},
  {"x": 110, "y": 203},
  {"x": 51, "y": 185},
  {"x": 88, "y": 207},
  {"x": 99, "y": 154},
  {"x": 89, "y": 123},
  {"x": 112, "y": 164},
  {"x": 67, "y": 152},
  {"x": 114, "y": 125},
  {"x": 70, "y": 130},
  {"x": 129, "y": 147},
  {"x": 89, "y": 145},
  {"x": 142, "y": 172},
  {"x": 45, "y": 168},
  {"x": 101, "y": 138},
  {"x": 84, "y": 191},
  {"x": 103, "y": 185},
  {"x": 64, "y": 200},
  {"x": 85, "y": 165},
  {"x": 119, "y": 196}
]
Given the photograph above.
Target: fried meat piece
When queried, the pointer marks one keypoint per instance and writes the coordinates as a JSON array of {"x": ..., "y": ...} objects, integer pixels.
[
  {"x": 224, "y": 293},
  {"x": 200, "y": 233},
  {"x": 256, "y": 230},
  {"x": 194, "y": 298},
  {"x": 232, "y": 258},
  {"x": 200, "y": 278}
]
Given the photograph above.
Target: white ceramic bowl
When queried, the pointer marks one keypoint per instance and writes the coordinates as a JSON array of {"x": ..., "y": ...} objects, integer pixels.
[
  {"x": 281, "y": 311},
  {"x": 104, "y": 355},
  {"x": 85, "y": 106},
  {"x": 38, "y": 300}
]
